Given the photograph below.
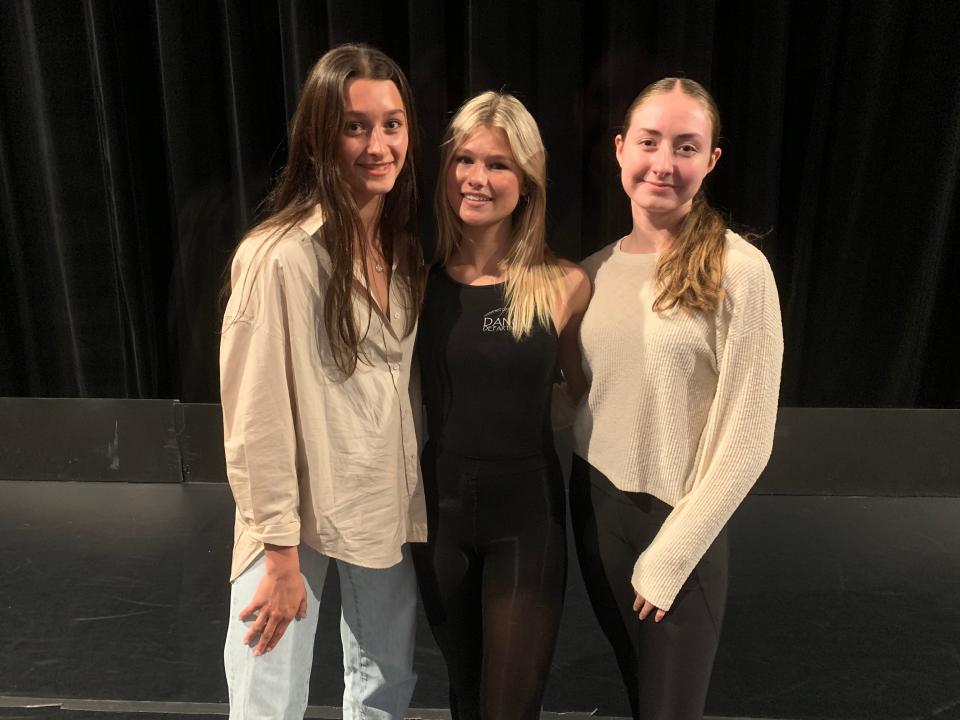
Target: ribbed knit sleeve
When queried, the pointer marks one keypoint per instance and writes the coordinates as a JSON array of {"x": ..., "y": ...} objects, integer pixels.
[{"x": 738, "y": 436}]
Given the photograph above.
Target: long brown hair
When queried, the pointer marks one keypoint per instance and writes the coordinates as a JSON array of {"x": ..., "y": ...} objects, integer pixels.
[
  {"x": 312, "y": 178},
  {"x": 533, "y": 275},
  {"x": 690, "y": 272}
]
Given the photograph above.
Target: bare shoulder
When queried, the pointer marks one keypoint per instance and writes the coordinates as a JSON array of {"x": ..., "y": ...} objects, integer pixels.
[
  {"x": 575, "y": 292},
  {"x": 574, "y": 276},
  {"x": 570, "y": 268},
  {"x": 576, "y": 284}
]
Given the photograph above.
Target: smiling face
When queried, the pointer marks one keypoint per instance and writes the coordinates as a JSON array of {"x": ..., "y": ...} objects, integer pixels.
[
  {"x": 374, "y": 139},
  {"x": 483, "y": 179},
  {"x": 665, "y": 153}
]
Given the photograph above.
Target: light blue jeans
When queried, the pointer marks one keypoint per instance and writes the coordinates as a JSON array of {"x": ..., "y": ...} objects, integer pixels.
[{"x": 377, "y": 624}]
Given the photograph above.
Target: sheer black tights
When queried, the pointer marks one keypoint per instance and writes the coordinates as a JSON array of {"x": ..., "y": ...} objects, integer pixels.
[{"x": 492, "y": 578}]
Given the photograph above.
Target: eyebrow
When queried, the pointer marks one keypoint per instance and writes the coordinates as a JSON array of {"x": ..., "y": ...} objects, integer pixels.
[
  {"x": 488, "y": 158},
  {"x": 358, "y": 113},
  {"x": 684, "y": 136}
]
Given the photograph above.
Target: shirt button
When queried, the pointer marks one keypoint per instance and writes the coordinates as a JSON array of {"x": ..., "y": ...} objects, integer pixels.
[{"x": 396, "y": 315}]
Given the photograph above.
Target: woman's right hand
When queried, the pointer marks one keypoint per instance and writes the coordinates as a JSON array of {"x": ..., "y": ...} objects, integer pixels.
[{"x": 280, "y": 597}]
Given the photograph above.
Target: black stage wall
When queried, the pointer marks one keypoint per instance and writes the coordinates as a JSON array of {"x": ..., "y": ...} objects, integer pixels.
[
  {"x": 137, "y": 139},
  {"x": 116, "y": 528}
]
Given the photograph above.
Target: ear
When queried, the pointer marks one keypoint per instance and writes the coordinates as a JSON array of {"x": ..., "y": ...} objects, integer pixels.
[
  {"x": 714, "y": 156},
  {"x": 618, "y": 144}
]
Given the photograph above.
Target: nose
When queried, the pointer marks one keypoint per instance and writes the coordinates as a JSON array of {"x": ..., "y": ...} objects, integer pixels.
[
  {"x": 376, "y": 144},
  {"x": 477, "y": 175},
  {"x": 663, "y": 159}
]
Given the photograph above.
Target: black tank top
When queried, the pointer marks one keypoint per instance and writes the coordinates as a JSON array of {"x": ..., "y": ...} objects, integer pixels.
[{"x": 487, "y": 395}]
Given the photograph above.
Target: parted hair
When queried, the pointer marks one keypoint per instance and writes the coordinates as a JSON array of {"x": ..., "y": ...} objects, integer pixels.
[
  {"x": 312, "y": 178},
  {"x": 689, "y": 273},
  {"x": 533, "y": 275}
]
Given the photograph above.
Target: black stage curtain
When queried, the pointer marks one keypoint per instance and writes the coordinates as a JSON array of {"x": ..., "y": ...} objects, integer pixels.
[{"x": 138, "y": 139}]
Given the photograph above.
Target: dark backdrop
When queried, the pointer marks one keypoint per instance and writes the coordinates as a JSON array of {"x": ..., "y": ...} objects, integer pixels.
[{"x": 138, "y": 138}]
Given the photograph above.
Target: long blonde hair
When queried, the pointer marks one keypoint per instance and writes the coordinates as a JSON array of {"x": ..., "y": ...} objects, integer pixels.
[
  {"x": 312, "y": 178},
  {"x": 533, "y": 275},
  {"x": 689, "y": 273}
]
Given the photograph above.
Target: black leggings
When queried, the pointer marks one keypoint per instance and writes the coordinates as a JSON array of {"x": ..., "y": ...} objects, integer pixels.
[
  {"x": 665, "y": 666},
  {"x": 492, "y": 578}
]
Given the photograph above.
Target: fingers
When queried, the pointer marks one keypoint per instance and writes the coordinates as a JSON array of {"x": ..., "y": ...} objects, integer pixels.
[
  {"x": 248, "y": 612},
  {"x": 267, "y": 640},
  {"x": 277, "y": 634},
  {"x": 275, "y": 604},
  {"x": 255, "y": 629},
  {"x": 268, "y": 629},
  {"x": 643, "y": 608}
]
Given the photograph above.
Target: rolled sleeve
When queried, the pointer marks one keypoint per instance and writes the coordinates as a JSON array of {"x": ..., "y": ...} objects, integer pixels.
[{"x": 258, "y": 413}]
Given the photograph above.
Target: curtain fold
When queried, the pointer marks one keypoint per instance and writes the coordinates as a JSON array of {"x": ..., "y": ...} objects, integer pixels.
[{"x": 137, "y": 141}]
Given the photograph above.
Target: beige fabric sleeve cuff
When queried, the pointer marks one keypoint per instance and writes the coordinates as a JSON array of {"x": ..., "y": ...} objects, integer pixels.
[{"x": 285, "y": 535}]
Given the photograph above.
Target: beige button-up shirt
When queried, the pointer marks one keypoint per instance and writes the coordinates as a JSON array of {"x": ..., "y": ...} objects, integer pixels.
[{"x": 313, "y": 457}]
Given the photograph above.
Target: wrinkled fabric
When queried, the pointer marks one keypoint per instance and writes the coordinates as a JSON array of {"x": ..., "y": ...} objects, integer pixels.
[{"x": 313, "y": 456}]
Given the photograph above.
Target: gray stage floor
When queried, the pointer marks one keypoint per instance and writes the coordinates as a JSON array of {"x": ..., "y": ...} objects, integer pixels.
[
  {"x": 839, "y": 607},
  {"x": 12, "y": 708}
]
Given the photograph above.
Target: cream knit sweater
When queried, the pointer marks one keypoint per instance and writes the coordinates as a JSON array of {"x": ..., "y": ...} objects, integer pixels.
[{"x": 680, "y": 406}]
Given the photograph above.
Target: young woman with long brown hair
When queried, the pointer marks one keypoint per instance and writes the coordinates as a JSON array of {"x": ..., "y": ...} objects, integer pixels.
[
  {"x": 500, "y": 312},
  {"x": 315, "y": 364},
  {"x": 682, "y": 345}
]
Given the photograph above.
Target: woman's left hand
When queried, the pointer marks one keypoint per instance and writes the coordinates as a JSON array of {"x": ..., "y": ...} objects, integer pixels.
[{"x": 645, "y": 607}]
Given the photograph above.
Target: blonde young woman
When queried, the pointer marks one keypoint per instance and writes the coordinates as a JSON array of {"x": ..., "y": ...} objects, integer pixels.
[
  {"x": 318, "y": 425},
  {"x": 500, "y": 312},
  {"x": 682, "y": 347}
]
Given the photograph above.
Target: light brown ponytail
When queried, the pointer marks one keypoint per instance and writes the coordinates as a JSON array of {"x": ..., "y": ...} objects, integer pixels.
[{"x": 690, "y": 271}]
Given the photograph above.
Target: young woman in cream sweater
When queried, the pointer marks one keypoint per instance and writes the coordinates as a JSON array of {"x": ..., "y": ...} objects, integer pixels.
[{"x": 682, "y": 345}]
